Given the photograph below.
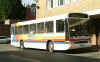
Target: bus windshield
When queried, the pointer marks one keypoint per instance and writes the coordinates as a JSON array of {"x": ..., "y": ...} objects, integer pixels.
[{"x": 78, "y": 27}]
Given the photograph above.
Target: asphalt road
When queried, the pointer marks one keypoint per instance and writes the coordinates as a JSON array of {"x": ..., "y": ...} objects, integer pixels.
[{"x": 12, "y": 54}]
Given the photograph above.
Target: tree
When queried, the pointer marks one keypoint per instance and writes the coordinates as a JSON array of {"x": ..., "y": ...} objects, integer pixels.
[
  {"x": 4, "y": 5},
  {"x": 11, "y": 9},
  {"x": 17, "y": 10}
]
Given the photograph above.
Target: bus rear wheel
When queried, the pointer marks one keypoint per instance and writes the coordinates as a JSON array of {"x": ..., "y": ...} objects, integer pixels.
[
  {"x": 50, "y": 47},
  {"x": 21, "y": 44}
]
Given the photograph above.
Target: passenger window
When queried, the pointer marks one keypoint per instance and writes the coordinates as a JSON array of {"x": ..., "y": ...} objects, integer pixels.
[
  {"x": 59, "y": 26},
  {"x": 25, "y": 29},
  {"x": 40, "y": 28},
  {"x": 19, "y": 30},
  {"x": 49, "y": 26},
  {"x": 33, "y": 28}
]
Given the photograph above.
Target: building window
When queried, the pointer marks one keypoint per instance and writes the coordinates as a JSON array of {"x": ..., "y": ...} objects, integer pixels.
[
  {"x": 67, "y": 1},
  {"x": 74, "y": 1},
  {"x": 61, "y": 2},
  {"x": 50, "y": 3},
  {"x": 32, "y": 11},
  {"x": 57, "y": 3},
  {"x": 71, "y": 1}
]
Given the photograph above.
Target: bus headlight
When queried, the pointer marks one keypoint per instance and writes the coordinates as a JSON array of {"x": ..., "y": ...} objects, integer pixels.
[{"x": 69, "y": 42}]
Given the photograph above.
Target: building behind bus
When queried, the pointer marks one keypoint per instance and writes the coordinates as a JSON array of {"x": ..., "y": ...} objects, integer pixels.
[{"x": 49, "y": 8}]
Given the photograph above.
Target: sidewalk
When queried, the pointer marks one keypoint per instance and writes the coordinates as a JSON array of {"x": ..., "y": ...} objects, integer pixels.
[{"x": 7, "y": 47}]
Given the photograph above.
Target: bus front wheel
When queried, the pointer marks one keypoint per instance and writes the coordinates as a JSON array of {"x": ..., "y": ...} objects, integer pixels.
[{"x": 50, "y": 46}]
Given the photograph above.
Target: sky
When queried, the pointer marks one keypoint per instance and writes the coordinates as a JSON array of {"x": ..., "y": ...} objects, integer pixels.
[{"x": 28, "y": 2}]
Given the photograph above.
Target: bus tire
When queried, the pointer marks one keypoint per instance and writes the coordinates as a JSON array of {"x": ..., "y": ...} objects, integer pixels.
[
  {"x": 50, "y": 47},
  {"x": 21, "y": 44}
]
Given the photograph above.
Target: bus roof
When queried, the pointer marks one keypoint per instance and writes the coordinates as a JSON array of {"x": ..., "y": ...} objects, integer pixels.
[
  {"x": 42, "y": 20},
  {"x": 52, "y": 18}
]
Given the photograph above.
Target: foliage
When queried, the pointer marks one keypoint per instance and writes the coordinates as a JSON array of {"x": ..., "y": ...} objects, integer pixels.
[{"x": 11, "y": 9}]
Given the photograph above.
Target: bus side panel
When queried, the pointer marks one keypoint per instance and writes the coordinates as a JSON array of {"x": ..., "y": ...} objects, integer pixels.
[
  {"x": 60, "y": 42},
  {"x": 39, "y": 41},
  {"x": 14, "y": 42},
  {"x": 61, "y": 46},
  {"x": 35, "y": 44}
]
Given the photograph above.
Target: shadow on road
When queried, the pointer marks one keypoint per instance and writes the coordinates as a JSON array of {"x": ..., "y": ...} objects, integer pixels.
[
  {"x": 30, "y": 56},
  {"x": 11, "y": 54},
  {"x": 80, "y": 51}
]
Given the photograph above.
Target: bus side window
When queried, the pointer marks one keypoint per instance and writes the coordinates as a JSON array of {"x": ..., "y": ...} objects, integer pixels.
[
  {"x": 33, "y": 28},
  {"x": 59, "y": 26},
  {"x": 40, "y": 28},
  {"x": 25, "y": 29},
  {"x": 19, "y": 30},
  {"x": 49, "y": 26}
]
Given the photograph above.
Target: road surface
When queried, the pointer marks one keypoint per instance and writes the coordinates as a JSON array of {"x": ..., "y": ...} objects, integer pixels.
[{"x": 11, "y": 54}]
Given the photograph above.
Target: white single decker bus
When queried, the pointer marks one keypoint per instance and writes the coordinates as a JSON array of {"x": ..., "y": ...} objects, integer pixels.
[{"x": 64, "y": 32}]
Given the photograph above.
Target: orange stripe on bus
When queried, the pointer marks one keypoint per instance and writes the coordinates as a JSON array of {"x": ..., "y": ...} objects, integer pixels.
[
  {"x": 59, "y": 40},
  {"x": 47, "y": 40}
]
